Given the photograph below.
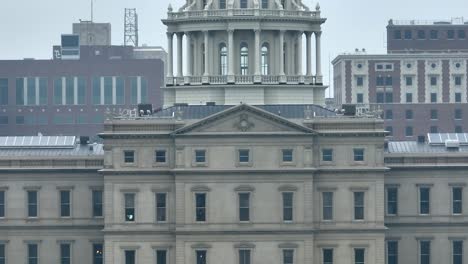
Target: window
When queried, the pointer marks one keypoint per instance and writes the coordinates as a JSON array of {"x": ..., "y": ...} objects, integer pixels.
[
  {"x": 458, "y": 80},
  {"x": 200, "y": 156},
  {"x": 388, "y": 66},
  {"x": 160, "y": 156},
  {"x": 433, "y": 97},
  {"x": 379, "y": 67},
  {"x": 20, "y": 91},
  {"x": 388, "y": 81},
  {"x": 222, "y": 4},
  {"x": 201, "y": 256},
  {"x": 223, "y": 60},
  {"x": 461, "y": 34},
  {"x": 265, "y": 57},
  {"x": 243, "y": 3},
  {"x": 358, "y": 154},
  {"x": 161, "y": 257},
  {"x": 409, "y": 131},
  {"x": 434, "y": 129},
  {"x": 433, "y": 80},
  {"x": 408, "y": 34},
  {"x": 244, "y": 59},
  {"x": 421, "y": 34},
  {"x": 327, "y": 154},
  {"x": 389, "y": 97},
  {"x": 425, "y": 252},
  {"x": 65, "y": 203},
  {"x": 3, "y": 120},
  {"x": 424, "y": 202},
  {"x": 107, "y": 90},
  {"x": 434, "y": 34},
  {"x": 244, "y": 256},
  {"x": 389, "y": 114},
  {"x": 360, "y": 98},
  {"x": 457, "y": 252},
  {"x": 451, "y": 34},
  {"x": 32, "y": 203},
  {"x": 389, "y": 129},
  {"x": 358, "y": 205},
  {"x": 81, "y": 90},
  {"x": 119, "y": 91},
  {"x": 2, "y": 254},
  {"x": 3, "y": 91},
  {"x": 359, "y": 256},
  {"x": 288, "y": 256},
  {"x": 69, "y": 90},
  {"x": 288, "y": 206},
  {"x": 96, "y": 90},
  {"x": 392, "y": 252},
  {"x": 457, "y": 200},
  {"x": 200, "y": 207},
  {"x": 138, "y": 90},
  {"x": 380, "y": 97},
  {"x": 244, "y": 156},
  {"x": 129, "y": 207},
  {"x": 458, "y": 97},
  {"x": 380, "y": 81},
  {"x": 327, "y": 205},
  {"x": 434, "y": 114},
  {"x": 65, "y": 253},
  {"x": 287, "y": 155},
  {"x": 161, "y": 205},
  {"x": 98, "y": 254},
  {"x": 244, "y": 207},
  {"x": 458, "y": 129},
  {"x": 129, "y": 156},
  {"x": 409, "y": 81},
  {"x": 327, "y": 255},
  {"x": 130, "y": 256},
  {"x": 265, "y": 4},
  {"x": 397, "y": 34},
  {"x": 458, "y": 114},
  {"x": 33, "y": 256},
  {"x": 2, "y": 204},
  {"x": 409, "y": 97},
  {"x": 97, "y": 203},
  {"x": 409, "y": 114},
  {"x": 392, "y": 201},
  {"x": 359, "y": 81}
]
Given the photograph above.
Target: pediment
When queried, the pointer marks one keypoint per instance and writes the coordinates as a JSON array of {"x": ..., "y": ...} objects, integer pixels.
[{"x": 243, "y": 119}]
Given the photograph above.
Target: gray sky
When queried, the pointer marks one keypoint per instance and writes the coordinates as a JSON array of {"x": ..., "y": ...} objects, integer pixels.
[{"x": 29, "y": 28}]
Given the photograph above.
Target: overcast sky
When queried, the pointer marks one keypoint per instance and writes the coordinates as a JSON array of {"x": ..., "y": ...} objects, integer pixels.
[{"x": 29, "y": 28}]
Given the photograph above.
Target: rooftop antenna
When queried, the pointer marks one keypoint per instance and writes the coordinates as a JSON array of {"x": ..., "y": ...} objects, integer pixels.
[
  {"x": 92, "y": 10},
  {"x": 131, "y": 27}
]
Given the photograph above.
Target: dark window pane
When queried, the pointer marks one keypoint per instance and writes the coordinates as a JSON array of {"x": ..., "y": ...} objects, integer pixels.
[
  {"x": 65, "y": 254},
  {"x": 161, "y": 257},
  {"x": 392, "y": 201},
  {"x": 244, "y": 155},
  {"x": 288, "y": 256},
  {"x": 244, "y": 256},
  {"x": 97, "y": 254},
  {"x": 327, "y": 198},
  {"x": 358, "y": 205},
  {"x": 32, "y": 203},
  {"x": 359, "y": 255},
  {"x": 129, "y": 207},
  {"x": 425, "y": 252},
  {"x": 200, "y": 204},
  {"x": 160, "y": 156},
  {"x": 327, "y": 256},
  {"x": 424, "y": 201},
  {"x": 244, "y": 206},
  {"x": 97, "y": 203},
  {"x": 2, "y": 203},
  {"x": 392, "y": 252},
  {"x": 65, "y": 203},
  {"x": 129, "y": 156},
  {"x": 129, "y": 256},
  {"x": 288, "y": 206},
  {"x": 200, "y": 156},
  {"x": 201, "y": 256},
  {"x": 287, "y": 155},
  {"x": 161, "y": 207},
  {"x": 457, "y": 200},
  {"x": 327, "y": 155}
]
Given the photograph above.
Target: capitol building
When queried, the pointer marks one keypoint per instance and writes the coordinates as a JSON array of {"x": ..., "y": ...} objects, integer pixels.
[{"x": 242, "y": 166}]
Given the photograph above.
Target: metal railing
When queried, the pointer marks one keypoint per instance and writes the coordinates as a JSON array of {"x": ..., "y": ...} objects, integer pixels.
[
  {"x": 241, "y": 79},
  {"x": 242, "y": 12}
]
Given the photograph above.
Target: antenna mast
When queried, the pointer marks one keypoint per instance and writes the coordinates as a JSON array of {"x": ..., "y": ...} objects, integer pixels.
[
  {"x": 131, "y": 27},
  {"x": 92, "y": 11}
]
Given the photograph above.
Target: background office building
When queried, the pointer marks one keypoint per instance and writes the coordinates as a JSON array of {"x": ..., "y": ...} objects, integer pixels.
[{"x": 421, "y": 84}]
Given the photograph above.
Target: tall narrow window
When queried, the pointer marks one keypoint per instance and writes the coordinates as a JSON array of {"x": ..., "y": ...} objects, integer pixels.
[
  {"x": 425, "y": 252},
  {"x": 120, "y": 90},
  {"x": 161, "y": 257},
  {"x": 265, "y": 58},
  {"x": 327, "y": 255},
  {"x": 96, "y": 91},
  {"x": 244, "y": 59},
  {"x": 2, "y": 203},
  {"x": 32, "y": 203},
  {"x": 244, "y": 207},
  {"x": 81, "y": 90},
  {"x": 359, "y": 256},
  {"x": 97, "y": 203},
  {"x": 457, "y": 198},
  {"x": 33, "y": 256},
  {"x": 392, "y": 201},
  {"x": 200, "y": 207},
  {"x": 244, "y": 256},
  {"x": 161, "y": 207},
  {"x": 243, "y": 3},
  {"x": 223, "y": 53},
  {"x": 3, "y": 91},
  {"x": 288, "y": 206},
  {"x": 265, "y": 4},
  {"x": 222, "y": 4},
  {"x": 201, "y": 256},
  {"x": 392, "y": 252},
  {"x": 358, "y": 205},
  {"x": 327, "y": 205},
  {"x": 203, "y": 58},
  {"x": 97, "y": 254},
  {"x": 58, "y": 91},
  {"x": 108, "y": 90},
  {"x": 65, "y": 253},
  {"x": 129, "y": 207},
  {"x": 288, "y": 256},
  {"x": 65, "y": 203},
  {"x": 69, "y": 90},
  {"x": 457, "y": 252},
  {"x": 2, "y": 254},
  {"x": 130, "y": 256},
  {"x": 424, "y": 200}
]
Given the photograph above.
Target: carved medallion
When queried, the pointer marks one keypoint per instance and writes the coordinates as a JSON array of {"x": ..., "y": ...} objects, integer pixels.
[{"x": 244, "y": 124}]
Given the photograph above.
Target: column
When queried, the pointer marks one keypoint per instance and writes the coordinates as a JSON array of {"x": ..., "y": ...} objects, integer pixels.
[
  {"x": 299, "y": 54},
  {"x": 257, "y": 49},
  {"x": 309, "y": 53},
  {"x": 170, "y": 70},
  {"x": 207, "y": 50},
  {"x": 179, "y": 54},
  {"x": 281, "y": 56},
  {"x": 318, "y": 58},
  {"x": 188, "y": 49},
  {"x": 231, "y": 78}
]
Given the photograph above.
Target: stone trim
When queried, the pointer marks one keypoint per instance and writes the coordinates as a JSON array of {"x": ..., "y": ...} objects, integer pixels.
[
  {"x": 32, "y": 188},
  {"x": 456, "y": 238},
  {"x": 396, "y": 238},
  {"x": 4, "y": 188},
  {"x": 287, "y": 188},
  {"x": 393, "y": 185},
  {"x": 161, "y": 189},
  {"x": 201, "y": 246},
  {"x": 244, "y": 245},
  {"x": 65, "y": 188},
  {"x": 164, "y": 247},
  {"x": 288, "y": 245},
  {"x": 358, "y": 188},
  {"x": 244, "y": 188},
  {"x": 130, "y": 247},
  {"x": 200, "y": 188},
  {"x": 457, "y": 184},
  {"x": 129, "y": 190},
  {"x": 327, "y": 189},
  {"x": 424, "y": 238},
  {"x": 429, "y": 185},
  {"x": 71, "y": 241}
]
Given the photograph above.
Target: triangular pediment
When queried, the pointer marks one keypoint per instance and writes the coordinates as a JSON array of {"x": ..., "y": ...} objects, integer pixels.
[{"x": 243, "y": 119}]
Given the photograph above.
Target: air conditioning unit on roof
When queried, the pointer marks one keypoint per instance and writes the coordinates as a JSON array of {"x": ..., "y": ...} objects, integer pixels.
[{"x": 452, "y": 143}]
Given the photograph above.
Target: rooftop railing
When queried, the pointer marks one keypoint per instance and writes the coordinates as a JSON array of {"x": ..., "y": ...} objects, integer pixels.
[
  {"x": 453, "y": 21},
  {"x": 241, "y": 79},
  {"x": 242, "y": 12}
]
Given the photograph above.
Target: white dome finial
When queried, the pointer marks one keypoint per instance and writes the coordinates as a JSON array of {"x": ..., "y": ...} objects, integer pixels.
[{"x": 317, "y": 7}]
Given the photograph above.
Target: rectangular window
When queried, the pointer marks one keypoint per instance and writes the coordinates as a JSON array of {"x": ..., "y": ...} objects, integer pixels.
[
  {"x": 392, "y": 252},
  {"x": 244, "y": 206},
  {"x": 392, "y": 201},
  {"x": 360, "y": 81},
  {"x": 97, "y": 203},
  {"x": 200, "y": 207},
  {"x": 421, "y": 34},
  {"x": 144, "y": 90},
  {"x": 359, "y": 256},
  {"x": 3, "y": 91},
  {"x": 65, "y": 254},
  {"x": 288, "y": 206},
  {"x": 2, "y": 254},
  {"x": 358, "y": 205},
  {"x": 58, "y": 91},
  {"x": 380, "y": 97},
  {"x": 81, "y": 90},
  {"x": 425, "y": 252},
  {"x": 160, "y": 156},
  {"x": 200, "y": 156},
  {"x": 451, "y": 34},
  {"x": 108, "y": 86},
  {"x": 222, "y": 4},
  {"x": 389, "y": 97},
  {"x": 43, "y": 99},
  {"x": 96, "y": 90},
  {"x": 327, "y": 154},
  {"x": 31, "y": 89},
  {"x": 119, "y": 90},
  {"x": 397, "y": 34},
  {"x": 244, "y": 155},
  {"x": 409, "y": 81},
  {"x": 409, "y": 131},
  {"x": 434, "y": 129},
  {"x": 389, "y": 114},
  {"x": 358, "y": 154},
  {"x": 161, "y": 257},
  {"x": 70, "y": 90},
  {"x": 458, "y": 129},
  {"x": 129, "y": 207},
  {"x": 129, "y": 156},
  {"x": 98, "y": 253},
  {"x": 424, "y": 200},
  {"x": 434, "y": 34},
  {"x": 409, "y": 97},
  {"x": 458, "y": 114},
  {"x": 130, "y": 257},
  {"x": 33, "y": 256},
  {"x": 380, "y": 81},
  {"x": 433, "y": 80},
  {"x": 20, "y": 91},
  {"x": 388, "y": 81},
  {"x": 457, "y": 200},
  {"x": 3, "y": 120},
  {"x": 408, "y": 34},
  {"x": 458, "y": 80},
  {"x": 134, "y": 90},
  {"x": 287, "y": 155},
  {"x": 201, "y": 256},
  {"x": 458, "y": 97},
  {"x": 389, "y": 129},
  {"x": 327, "y": 255},
  {"x": 65, "y": 203},
  {"x": 461, "y": 34},
  {"x": 243, "y": 3},
  {"x": 2, "y": 204},
  {"x": 457, "y": 252},
  {"x": 433, "y": 97},
  {"x": 409, "y": 114},
  {"x": 434, "y": 114},
  {"x": 327, "y": 205},
  {"x": 244, "y": 256},
  {"x": 265, "y": 4},
  {"x": 360, "y": 98},
  {"x": 161, "y": 205},
  {"x": 32, "y": 203},
  {"x": 288, "y": 256}
]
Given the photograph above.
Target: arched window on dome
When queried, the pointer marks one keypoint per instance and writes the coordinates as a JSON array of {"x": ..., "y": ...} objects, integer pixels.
[
  {"x": 222, "y": 4},
  {"x": 265, "y": 59},
  {"x": 244, "y": 59},
  {"x": 223, "y": 59},
  {"x": 243, "y": 3},
  {"x": 265, "y": 4}
]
